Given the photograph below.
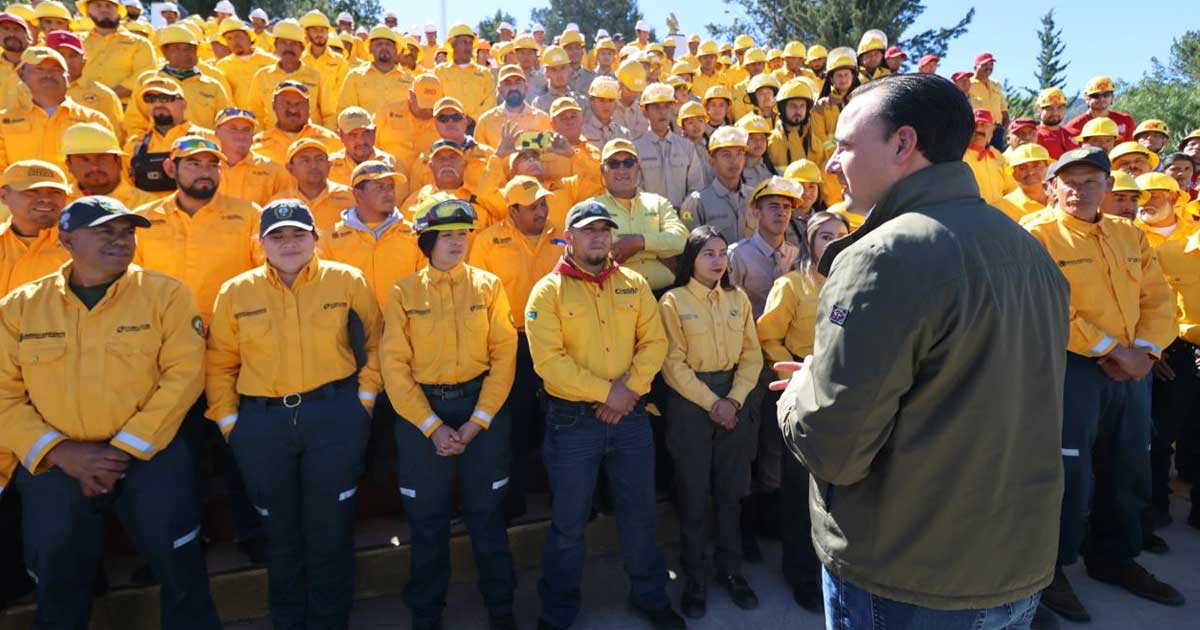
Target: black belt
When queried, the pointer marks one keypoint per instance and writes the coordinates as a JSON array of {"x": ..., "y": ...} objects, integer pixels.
[
  {"x": 293, "y": 400},
  {"x": 571, "y": 404},
  {"x": 456, "y": 391}
]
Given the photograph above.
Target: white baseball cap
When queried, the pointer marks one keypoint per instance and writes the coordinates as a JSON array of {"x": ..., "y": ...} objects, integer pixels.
[
  {"x": 430, "y": 27},
  {"x": 225, "y": 6}
]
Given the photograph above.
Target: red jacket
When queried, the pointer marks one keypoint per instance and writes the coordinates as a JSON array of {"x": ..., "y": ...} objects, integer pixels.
[
  {"x": 1125, "y": 124},
  {"x": 1056, "y": 141}
]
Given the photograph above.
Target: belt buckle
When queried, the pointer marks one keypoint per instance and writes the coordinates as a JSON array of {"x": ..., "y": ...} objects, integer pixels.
[{"x": 291, "y": 401}]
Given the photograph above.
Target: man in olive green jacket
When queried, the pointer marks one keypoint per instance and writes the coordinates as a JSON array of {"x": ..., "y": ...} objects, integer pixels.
[{"x": 930, "y": 412}]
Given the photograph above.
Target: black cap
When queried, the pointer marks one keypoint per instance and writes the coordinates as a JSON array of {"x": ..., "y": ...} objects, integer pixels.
[
  {"x": 1093, "y": 156},
  {"x": 285, "y": 212},
  {"x": 96, "y": 210},
  {"x": 588, "y": 212}
]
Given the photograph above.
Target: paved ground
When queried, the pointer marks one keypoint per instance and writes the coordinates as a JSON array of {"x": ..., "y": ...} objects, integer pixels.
[{"x": 605, "y": 587}]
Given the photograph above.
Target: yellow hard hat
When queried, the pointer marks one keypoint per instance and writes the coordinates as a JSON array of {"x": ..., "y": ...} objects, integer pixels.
[
  {"x": 442, "y": 211},
  {"x": 1051, "y": 96},
  {"x": 873, "y": 39},
  {"x": 314, "y": 18},
  {"x": 742, "y": 42},
  {"x": 778, "y": 186},
  {"x": 1130, "y": 148},
  {"x": 133, "y": 26},
  {"x": 632, "y": 75},
  {"x": 1124, "y": 182},
  {"x": 564, "y": 104},
  {"x": 571, "y": 37},
  {"x": 605, "y": 87},
  {"x": 677, "y": 81},
  {"x": 794, "y": 89},
  {"x": 499, "y": 49},
  {"x": 753, "y": 123},
  {"x": 707, "y": 47},
  {"x": 555, "y": 56},
  {"x": 657, "y": 93},
  {"x": 761, "y": 81},
  {"x": 1152, "y": 125},
  {"x": 684, "y": 66},
  {"x": 606, "y": 44},
  {"x": 82, "y": 6},
  {"x": 815, "y": 52},
  {"x": 629, "y": 50},
  {"x": 383, "y": 32},
  {"x": 716, "y": 91},
  {"x": 725, "y": 60},
  {"x": 693, "y": 38},
  {"x": 458, "y": 30},
  {"x": 1157, "y": 181},
  {"x": 1195, "y": 135},
  {"x": 89, "y": 139},
  {"x": 288, "y": 29},
  {"x": 1099, "y": 127},
  {"x": 774, "y": 54},
  {"x": 794, "y": 49},
  {"x": 804, "y": 172},
  {"x": 231, "y": 24},
  {"x": 690, "y": 109},
  {"x": 726, "y": 137},
  {"x": 176, "y": 34},
  {"x": 23, "y": 11},
  {"x": 841, "y": 57},
  {"x": 1099, "y": 85},
  {"x": 51, "y": 9},
  {"x": 525, "y": 42},
  {"x": 754, "y": 55},
  {"x": 656, "y": 47},
  {"x": 1026, "y": 153}
]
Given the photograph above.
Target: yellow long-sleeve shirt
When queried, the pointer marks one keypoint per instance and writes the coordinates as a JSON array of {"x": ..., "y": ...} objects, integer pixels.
[
  {"x": 518, "y": 260},
  {"x": 384, "y": 253},
  {"x": 788, "y": 325},
  {"x": 326, "y": 207},
  {"x": 654, "y": 218},
  {"x": 261, "y": 97},
  {"x": 991, "y": 173},
  {"x": 273, "y": 143},
  {"x": 267, "y": 339},
  {"x": 399, "y": 132},
  {"x": 785, "y": 146},
  {"x": 29, "y": 133},
  {"x": 333, "y": 68},
  {"x": 1118, "y": 293},
  {"x": 240, "y": 71},
  {"x": 370, "y": 89},
  {"x": 584, "y": 335},
  {"x": 447, "y": 328},
  {"x": 205, "y": 98},
  {"x": 1019, "y": 204},
  {"x": 117, "y": 59},
  {"x": 487, "y": 130},
  {"x": 101, "y": 98},
  {"x": 1180, "y": 261},
  {"x": 255, "y": 178},
  {"x": 203, "y": 250},
  {"x": 473, "y": 85},
  {"x": 1184, "y": 226},
  {"x": 25, "y": 259},
  {"x": 124, "y": 372},
  {"x": 709, "y": 330}
]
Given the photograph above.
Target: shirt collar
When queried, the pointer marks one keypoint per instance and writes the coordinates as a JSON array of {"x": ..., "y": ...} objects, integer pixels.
[
  {"x": 352, "y": 220},
  {"x": 453, "y": 276},
  {"x": 306, "y": 274},
  {"x": 696, "y": 288},
  {"x": 1079, "y": 225}
]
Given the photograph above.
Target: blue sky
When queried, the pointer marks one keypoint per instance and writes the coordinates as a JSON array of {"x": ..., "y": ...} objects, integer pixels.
[{"x": 1007, "y": 29}]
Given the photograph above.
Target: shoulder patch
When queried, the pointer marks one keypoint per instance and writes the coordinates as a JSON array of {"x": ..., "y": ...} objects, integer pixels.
[
  {"x": 839, "y": 314},
  {"x": 198, "y": 325}
]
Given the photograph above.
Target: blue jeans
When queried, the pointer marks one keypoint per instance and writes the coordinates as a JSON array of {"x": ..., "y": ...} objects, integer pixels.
[
  {"x": 848, "y": 607},
  {"x": 576, "y": 446}
]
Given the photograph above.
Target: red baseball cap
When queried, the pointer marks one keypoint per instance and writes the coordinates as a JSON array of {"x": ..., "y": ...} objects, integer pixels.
[
  {"x": 957, "y": 76},
  {"x": 64, "y": 39},
  {"x": 983, "y": 58},
  {"x": 1021, "y": 123},
  {"x": 983, "y": 115},
  {"x": 13, "y": 19},
  {"x": 894, "y": 52},
  {"x": 928, "y": 59}
]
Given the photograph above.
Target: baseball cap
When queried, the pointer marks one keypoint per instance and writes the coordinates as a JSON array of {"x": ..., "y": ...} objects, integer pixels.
[
  {"x": 194, "y": 145},
  {"x": 895, "y": 52},
  {"x": 564, "y": 104},
  {"x": 37, "y": 54},
  {"x": 1021, "y": 123},
  {"x": 447, "y": 104},
  {"x": 233, "y": 113},
  {"x": 524, "y": 191},
  {"x": 291, "y": 86},
  {"x": 983, "y": 58},
  {"x": 428, "y": 90},
  {"x": 1092, "y": 156},
  {"x": 285, "y": 213},
  {"x": 983, "y": 115},
  {"x": 162, "y": 85},
  {"x": 13, "y": 18},
  {"x": 618, "y": 145},
  {"x": 354, "y": 117},
  {"x": 305, "y": 143},
  {"x": 588, "y": 212},
  {"x": 510, "y": 71},
  {"x": 30, "y": 174},
  {"x": 960, "y": 75},
  {"x": 927, "y": 59},
  {"x": 372, "y": 170},
  {"x": 64, "y": 39},
  {"x": 445, "y": 145},
  {"x": 88, "y": 212}
]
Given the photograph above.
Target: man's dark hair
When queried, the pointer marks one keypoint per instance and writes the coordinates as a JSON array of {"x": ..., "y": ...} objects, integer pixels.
[{"x": 933, "y": 106}]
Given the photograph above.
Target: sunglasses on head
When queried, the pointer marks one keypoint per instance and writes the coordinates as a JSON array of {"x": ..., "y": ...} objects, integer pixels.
[
  {"x": 450, "y": 118},
  {"x": 614, "y": 163},
  {"x": 155, "y": 97}
]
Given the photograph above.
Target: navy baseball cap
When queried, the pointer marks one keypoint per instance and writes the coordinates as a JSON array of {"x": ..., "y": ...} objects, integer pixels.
[
  {"x": 283, "y": 213},
  {"x": 1092, "y": 156},
  {"x": 96, "y": 210}
]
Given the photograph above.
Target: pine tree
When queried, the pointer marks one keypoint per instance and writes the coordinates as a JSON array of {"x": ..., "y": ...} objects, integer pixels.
[
  {"x": 615, "y": 16},
  {"x": 1051, "y": 66},
  {"x": 488, "y": 29}
]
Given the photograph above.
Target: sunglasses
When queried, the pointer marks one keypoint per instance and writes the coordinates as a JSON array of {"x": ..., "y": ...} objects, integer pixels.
[
  {"x": 450, "y": 118},
  {"x": 233, "y": 111},
  {"x": 626, "y": 163},
  {"x": 1102, "y": 95},
  {"x": 159, "y": 98}
]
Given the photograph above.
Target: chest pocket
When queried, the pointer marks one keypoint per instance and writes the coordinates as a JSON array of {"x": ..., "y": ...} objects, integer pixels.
[
  {"x": 679, "y": 155},
  {"x": 625, "y": 310},
  {"x": 37, "y": 355},
  {"x": 694, "y": 325},
  {"x": 254, "y": 331},
  {"x": 17, "y": 127},
  {"x": 421, "y": 320}
]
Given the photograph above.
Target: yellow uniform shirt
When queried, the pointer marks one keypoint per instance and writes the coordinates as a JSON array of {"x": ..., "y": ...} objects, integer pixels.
[
  {"x": 264, "y": 41},
  {"x": 429, "y": 55},
  {"x": 260, "y": 99},
  {"x": 23, "y": 260},
  {"x": 124, "y": 372},
  {"x": 518, "y": 260},
  {"x": 255, "y": 178},
  {"x": 203, "y": 250},
  {"x": 384, "y": 253},
  {"x": 788, "y": 325},
  {"x": 341, "y": 167},
  {"x": 447, "y": 328},
  {"x": 988, "y": 95},
  {"x": 584, "y": 335},
  {"x": 205, "y": 98},
  {"x": 655, "y": 219},
  {"x": 709, "y": 330},
  {"x": 1180, "y": 261},
  {"x": 267, "y": 339},
  {"x": 125, "y": 192},
  {"x": 326, "y": 207},
  {"x": 239, "y": 71},
  {"x": 991, "y": 173},
  {"x": 31, "y": 134},
  {"x": 1184, "y": 226},
  {"x": 1118, "y": 294},
  {"x": 487, "y": 130},
  {"x": 400, "y": 133},
  {"x": 370, "y": 89},
  {"x": 274, "y": 142},
  {"x": 785, "y": 146},
  {"x": 101, "y": 98},
  {"x": 701, "y": 82},
  {"x": 486, "y": 212},
  {"x": 564, "y": 193},
  {"x": 333, "y": 68},
  {"x": 1019, "y": 204},
  {"x": 474, "y": 177},
  {"x": 473, "y": 85},
  {"x": 117, "y": 59}
]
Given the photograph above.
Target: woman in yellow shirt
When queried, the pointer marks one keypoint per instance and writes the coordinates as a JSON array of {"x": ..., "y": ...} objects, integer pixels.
[
  {"x": 449, "y": 357},
  {"x": 713, "y": 361}
]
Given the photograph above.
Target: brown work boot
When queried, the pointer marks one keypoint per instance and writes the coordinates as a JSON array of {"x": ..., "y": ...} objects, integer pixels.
[
  {"x": 1134, "y": 578},
  {"x": 1061, "y": 598}
]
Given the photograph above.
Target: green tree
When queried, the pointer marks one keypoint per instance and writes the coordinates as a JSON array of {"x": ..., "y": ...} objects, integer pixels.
[
  {"x": 840, "y": 23},
  {"x": 366, "y": 12},
  {"x": 489, "y": 28},
  {"x": 1169, "y": 92},
  {"x": 1050, "y": 60},
  {"x": 1184, "y": 65},
  {"x": 615, "y": 16},
  {"x": 1020, "y": 101}
]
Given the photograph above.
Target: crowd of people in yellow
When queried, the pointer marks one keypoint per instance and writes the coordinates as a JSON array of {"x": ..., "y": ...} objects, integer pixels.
[{"x": 274, "y": 242}]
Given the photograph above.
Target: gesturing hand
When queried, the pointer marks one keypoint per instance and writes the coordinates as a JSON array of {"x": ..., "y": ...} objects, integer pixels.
[{"x": 789, "y": 366}]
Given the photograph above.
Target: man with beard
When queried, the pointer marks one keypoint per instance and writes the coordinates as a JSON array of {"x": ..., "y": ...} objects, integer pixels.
[
  {"x": 1098, "y": 94},
  {"x": 291, "y": 108},
  {"x": 243, "y": 60},
  {"x": 163, "y": 102},
  {"x": 118, "y": 56},
  {"x": 133, "y": 9},
  {"x": 374, "y": 85},
  {"x": 308, "y": 162},
  {"x": 94, "y": 159},
  {"x": 32, "y": 128},
  {"x": 1052, "y": 108},
  {"x": 793, "y": 138},
  {"x": 289, "y": 45},
  {"x": 1158, "y": 216},
  {"x": 448, "y": 167},
  {"x": 331, "y": 64},
  {"x": 989, "y": 166},
  {"x": 356, "y": 128},
  {"x": 450, "y": 123},
  {"x": 204, "y": 95},
  {"x": 670, "y": 166},
  {"x": 514, "y": 108},
  {"x": 463, "y": 79},
  {"x": 83, "y": 91},
  {"x": 248, "y": 175},
  {"x": 14, "y": 39}
]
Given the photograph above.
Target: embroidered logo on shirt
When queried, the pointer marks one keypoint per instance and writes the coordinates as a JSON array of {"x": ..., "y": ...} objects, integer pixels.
[
  {"x": 133, "y": 328},
  {"x": 1076, "y": 261},
  {"x": 329, "y": 305},
  {"x": 629, "y": 291},
  {"x": 839, "y": 315}
]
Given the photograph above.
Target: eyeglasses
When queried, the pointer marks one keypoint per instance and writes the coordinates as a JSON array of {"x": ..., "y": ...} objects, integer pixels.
[
  {"x": 155, "y": 97},
  {"x": 1102, "y": 95},
  {"x": 450, "y": 118},
  {"x": 613, "y": 164}
]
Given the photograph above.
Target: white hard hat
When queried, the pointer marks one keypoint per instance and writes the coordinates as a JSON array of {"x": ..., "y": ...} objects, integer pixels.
[
  {"x": 505, "y": 25},
  {"x": 642, "y": 26},
  {"x": 391, "y": 14},
  {"x": 345, "y": 17},
  {"x": 169, "y": 7},
  {"x": 571, "y": 26},
  {"x": 602, "y": 33},
  {"x": 132, "y": 3},
  {"x": 537, "y": 28},
  {"x": 362, "y": 30},
  {"x": 260, "y": 14},
  {"x": 430, "y": 27},
  {"x": 225, "y": 6}
]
